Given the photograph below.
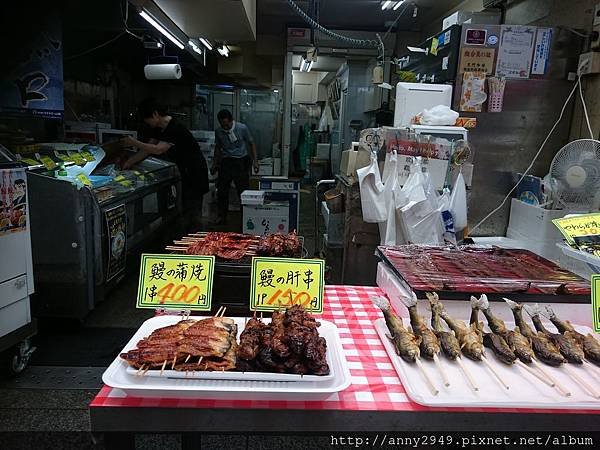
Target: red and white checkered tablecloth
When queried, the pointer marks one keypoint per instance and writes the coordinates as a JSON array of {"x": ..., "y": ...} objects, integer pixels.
[{"x": 375, "y": 384}]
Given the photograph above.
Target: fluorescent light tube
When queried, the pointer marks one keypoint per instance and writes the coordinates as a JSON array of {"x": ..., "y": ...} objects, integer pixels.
[
  {"x": 152, "y": 21},
  {"x": 398, "y": 5},
  {"x": 195, "y": 47},
  {"x": 206, "y": 43},
  {"x": 386, "y": 4},
  {"x": 223, "y": 51}
]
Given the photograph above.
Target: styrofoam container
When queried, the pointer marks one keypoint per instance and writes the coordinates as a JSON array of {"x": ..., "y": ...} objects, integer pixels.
[
  {"x": 239, "y": 384},
  {"x": 534, "y": 222},
  {"x": 525, "y": 390},
  {"x": 249, "y": 197},
  {"x": 582, "y": 263}
]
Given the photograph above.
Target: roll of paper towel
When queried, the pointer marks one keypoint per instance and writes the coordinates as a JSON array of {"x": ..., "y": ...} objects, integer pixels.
[{"x": 162, "y": 71}]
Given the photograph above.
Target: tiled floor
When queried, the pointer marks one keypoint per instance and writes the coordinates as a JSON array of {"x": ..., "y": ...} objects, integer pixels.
[{"x": 30, "y": 411}]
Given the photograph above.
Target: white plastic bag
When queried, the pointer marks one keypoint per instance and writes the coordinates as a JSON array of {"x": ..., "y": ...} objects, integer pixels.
[
  {"x": 387, "y": 229},
  {"x": 458, "y": 203},
  {"x": 438, "y": 115},
  {"x": 371, "y": 192}
]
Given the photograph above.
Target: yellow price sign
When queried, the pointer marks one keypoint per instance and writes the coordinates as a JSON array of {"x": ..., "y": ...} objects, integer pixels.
[
  {"x": 596, "y": 302},
  {"x": 578, "y": 226},
  {"x": 77, "y": 158},
  {"x": 281, "y": 282},
  {"x": 176, "y": 281},
  {"x": 48, "y": 162},
  {"x": 30, "y": 162},
  {"x": 84, "y": 179},
  {"x": 86, "y": 155}
]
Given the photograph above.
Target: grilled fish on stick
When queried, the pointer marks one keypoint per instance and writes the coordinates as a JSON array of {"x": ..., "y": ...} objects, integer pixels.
[
  {"x": 406, "y": 343},
  {"x": 470, "y": 339},
  {"x": 542, "y": 346},
  {"x": 430, "y": 345},
  {"x": 448, "y": 341},
  {"x": 493, "y": 341},
  {"x": 591, "y": 346},
  {"x": 568, "y": 345}
]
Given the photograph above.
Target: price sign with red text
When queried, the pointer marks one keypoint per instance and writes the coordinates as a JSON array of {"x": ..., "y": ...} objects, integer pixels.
[
  {"x": 176, "y": 281},
  {"x": 283, "y": 282}
]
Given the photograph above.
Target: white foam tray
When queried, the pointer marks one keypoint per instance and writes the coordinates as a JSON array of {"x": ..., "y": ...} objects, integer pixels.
[
  {"x": 526, "y": 391},
  {"x": 173, "y": 383}
]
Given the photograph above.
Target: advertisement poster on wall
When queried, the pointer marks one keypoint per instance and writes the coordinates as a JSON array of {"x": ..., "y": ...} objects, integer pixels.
[
  {"x": 31, "y": 80},
  {"x": 116, "y": 223},
  {"x": 13, "y": 201}
]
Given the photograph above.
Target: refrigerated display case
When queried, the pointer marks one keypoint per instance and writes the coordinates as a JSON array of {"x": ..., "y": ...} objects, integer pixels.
[
  {"x": 16, "y": 271},
  {"x": 82, "y": 229}
]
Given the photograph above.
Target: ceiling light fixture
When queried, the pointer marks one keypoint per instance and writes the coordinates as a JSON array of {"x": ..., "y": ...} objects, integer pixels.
[
  {"x": 386, "y": 4},
  {"x": 152, "y": 21},
  {"x": 206, "y": 43},
  {"x": 223, "y": 50},
  {"x": 305, "y": 65},
  {"x": 195, "y": 47},
  {"x": 398, "y": 5}
]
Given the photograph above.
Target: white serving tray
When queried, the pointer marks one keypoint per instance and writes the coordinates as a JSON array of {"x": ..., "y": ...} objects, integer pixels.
[
  {"x": 525, "y": 391},
  {"x": 174, "y": 383}
]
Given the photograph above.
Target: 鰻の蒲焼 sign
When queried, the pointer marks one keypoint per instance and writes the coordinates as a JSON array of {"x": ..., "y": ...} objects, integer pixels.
[
  {"x": 176, "y": 281},
  {"x": 282, "y": 282}
]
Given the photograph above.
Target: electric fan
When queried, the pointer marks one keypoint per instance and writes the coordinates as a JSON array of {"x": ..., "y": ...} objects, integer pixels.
[{"x": 575, "y": 175}]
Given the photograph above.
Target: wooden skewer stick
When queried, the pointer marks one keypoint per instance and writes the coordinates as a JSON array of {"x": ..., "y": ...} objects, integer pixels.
[
  {"x": 147, "y": 369},
  {"x": 162, "y": 369},
  {"x": 489, "y": 366},
  {"x": 173, "y": 248},
  {"x": 558, "y": 386},
  {"x": 467, "y": 374},
  {"x": 200, "y": 360},
  {"x": 428, "y": 381},
  {"x": 581, "y": 382},
  {"x": 440, "y": 369},
  {"x": 140, "y": 370},
  {"x": 218, "y": 311},
  {"x": 593, "y": 368},
  {"x": 188, "y": 358},
  {"x": 174, "y": 361},
  {"x": 538, "y": 375}
]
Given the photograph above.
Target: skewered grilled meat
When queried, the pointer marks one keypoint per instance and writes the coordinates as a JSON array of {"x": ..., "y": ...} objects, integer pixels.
[
  {"x": 430, "y": 345},
  {"x": 591, "y": 346},
  {"x": 448, "y": 341},
  {"x": 406, "y": 343},
  {"x": 289, "y": 344},
  {"x": 208, "y": 338},
  {"x": 496, "y": 325},
  {"x": 280, "y": 245},
  {"x": 520, "y": 345},
  {"x": 542, "y": 346},
  {"x": 568, "y": 346}
]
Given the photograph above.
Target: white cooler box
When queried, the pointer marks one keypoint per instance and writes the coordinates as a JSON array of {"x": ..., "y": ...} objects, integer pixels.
[{"x": 271, "y": 217}]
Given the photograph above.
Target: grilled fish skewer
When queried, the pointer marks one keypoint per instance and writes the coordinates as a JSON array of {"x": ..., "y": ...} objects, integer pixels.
[
  {"x": 448, "y": 340},
  {"x": 542, "y": 346},
  {"x": 406, "y": 344},
  {"x": 430, "y": 344},
  {"x": 568, "y": 345},
  {"x": 591, "y": 346}
]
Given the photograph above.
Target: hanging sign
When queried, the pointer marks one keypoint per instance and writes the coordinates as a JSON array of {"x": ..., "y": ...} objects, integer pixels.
[
  {"x": 596, "y": 302},
  {"x": 176, "y": 281},
  {"x": 541, "y": 52},
  {"x": 116, "y": 224},
  {"x": 283, "y": 282}
]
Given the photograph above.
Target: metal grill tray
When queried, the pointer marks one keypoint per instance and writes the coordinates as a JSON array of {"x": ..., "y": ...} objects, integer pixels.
[{"x": 121, "y": 376}]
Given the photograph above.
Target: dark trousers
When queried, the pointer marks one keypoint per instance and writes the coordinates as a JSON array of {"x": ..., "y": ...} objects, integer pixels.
[{"x": 231, "y": 169}]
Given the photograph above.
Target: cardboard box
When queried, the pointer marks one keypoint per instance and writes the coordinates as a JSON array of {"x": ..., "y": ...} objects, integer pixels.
[
  {"x": 253, "y": 197},
  {"x": 464, "y": 17},
  {"x": 272, "y": 217}
]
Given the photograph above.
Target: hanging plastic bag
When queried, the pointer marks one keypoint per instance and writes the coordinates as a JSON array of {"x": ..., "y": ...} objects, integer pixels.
[
  {"x": 371, "y": 192},
  {"x": 387, "y": 229},
  {"x": 458, "y": 203},
  {"x": 326, "y": 118}
]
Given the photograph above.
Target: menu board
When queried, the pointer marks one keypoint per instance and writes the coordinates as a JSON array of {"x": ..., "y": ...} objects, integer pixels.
[{"x": 515, "y": 52}]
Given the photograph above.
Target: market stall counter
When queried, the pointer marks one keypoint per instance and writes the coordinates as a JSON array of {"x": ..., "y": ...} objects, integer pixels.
[{"x": 375, "y": 399}]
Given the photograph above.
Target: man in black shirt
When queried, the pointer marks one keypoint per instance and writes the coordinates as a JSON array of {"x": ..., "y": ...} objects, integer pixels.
[{"x": 173, "y": 141}]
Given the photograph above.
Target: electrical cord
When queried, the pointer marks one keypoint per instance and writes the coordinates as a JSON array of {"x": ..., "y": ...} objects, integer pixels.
[
  {"x": 526, "y": 172},
  {"x": 585, "y": 111},
  {"x": 68, "y": 58}
]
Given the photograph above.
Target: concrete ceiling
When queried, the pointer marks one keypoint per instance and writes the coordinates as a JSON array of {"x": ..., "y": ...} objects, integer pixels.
[{"x": 274, "y": 15}]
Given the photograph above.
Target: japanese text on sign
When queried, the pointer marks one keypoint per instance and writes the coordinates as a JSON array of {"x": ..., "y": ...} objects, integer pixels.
[
  {"x": 578, "y": 226},
  {"x": 596, "y": 302},
  {"x": 283, "y": 282},
  {"x": 176, "y": 281}
]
